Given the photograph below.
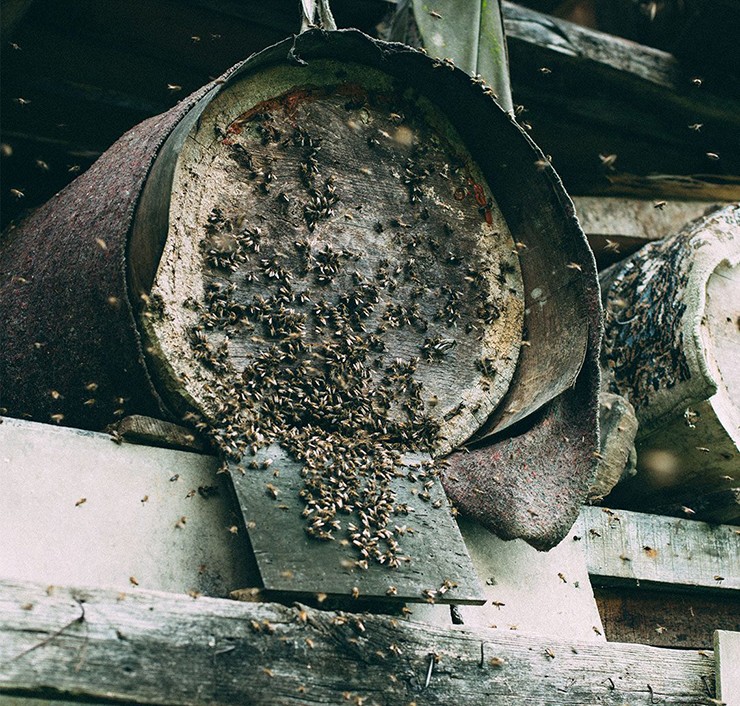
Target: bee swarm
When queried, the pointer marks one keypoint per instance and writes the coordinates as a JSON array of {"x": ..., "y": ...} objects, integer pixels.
[{"x": 351, "y": 293}]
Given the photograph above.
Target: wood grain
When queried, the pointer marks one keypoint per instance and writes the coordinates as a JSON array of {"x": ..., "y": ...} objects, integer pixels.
[
  {"x": 437, "y": 567},
  {"x": 666, "y": 618},
  {"x": 146, "y": 647},
  {"x": 636, "y": 547}
]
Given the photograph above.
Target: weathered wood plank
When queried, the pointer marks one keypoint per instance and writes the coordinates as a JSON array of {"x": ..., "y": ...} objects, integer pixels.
[
  {"x": 434, "y": 563},
  {"x": 156, "y": 648},
  {"x": 666, "y": 618},
  {"x": 727, "y": 646},
  {"x": 80, "y": 508},
  {"x": 637, "y": 547},
  {"x": 643, "y": 219}
]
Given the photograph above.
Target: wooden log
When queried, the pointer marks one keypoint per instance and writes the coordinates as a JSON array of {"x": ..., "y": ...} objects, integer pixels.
[
  {"x": 671, "y": 347},
  {"x": 157, "y": 648}
]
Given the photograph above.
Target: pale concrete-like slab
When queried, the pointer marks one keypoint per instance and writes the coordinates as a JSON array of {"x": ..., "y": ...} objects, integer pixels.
[
  {"x": 548, "y": 593},
  {"x": 77, "y": 508},
  {"x": 727, "y": 656}
]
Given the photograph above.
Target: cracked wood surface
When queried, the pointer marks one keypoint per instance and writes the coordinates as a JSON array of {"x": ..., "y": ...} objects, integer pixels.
[{"x": 147, "y": 647}]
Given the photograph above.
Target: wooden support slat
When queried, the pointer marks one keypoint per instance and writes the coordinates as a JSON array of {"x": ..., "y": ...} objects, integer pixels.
[
  {"x": 635, "y": 547},
  {"x": 159, "y": 648},
  {"x": 727, "y": 646},
  {"x": 436, "y": 563},
  {"x": 618, "y": 226}
]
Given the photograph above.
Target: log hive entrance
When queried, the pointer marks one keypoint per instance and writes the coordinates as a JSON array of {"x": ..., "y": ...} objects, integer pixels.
[{"x": 336, "y": 278}]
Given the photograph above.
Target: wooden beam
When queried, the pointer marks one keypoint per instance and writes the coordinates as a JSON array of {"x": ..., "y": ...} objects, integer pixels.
[
  {"x": 589, "y": 94},
  {"x": 156, "y": 648},
  {"x": 617, "y": 226},
  {"x": 633, "y": 547}
]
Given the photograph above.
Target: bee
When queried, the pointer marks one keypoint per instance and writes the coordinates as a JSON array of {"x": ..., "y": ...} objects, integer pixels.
[
  {"x": 81, "y": 501},
  {"x": 608, "y": 160},
  {"x": 660, "y": 205}
]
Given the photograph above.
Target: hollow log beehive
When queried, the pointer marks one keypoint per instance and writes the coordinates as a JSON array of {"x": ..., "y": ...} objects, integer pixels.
[
  {"x": 316, "y": 251},
  {"x": 671, "y": 348}
]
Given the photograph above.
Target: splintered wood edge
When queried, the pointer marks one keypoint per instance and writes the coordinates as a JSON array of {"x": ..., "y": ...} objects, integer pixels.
[
  {"x": 179, "y": 277},
  {"x": 68, "y": 641}
]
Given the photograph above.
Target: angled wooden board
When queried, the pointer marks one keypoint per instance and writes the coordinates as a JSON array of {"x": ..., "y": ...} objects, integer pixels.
[{"x": 438, "y": 568}]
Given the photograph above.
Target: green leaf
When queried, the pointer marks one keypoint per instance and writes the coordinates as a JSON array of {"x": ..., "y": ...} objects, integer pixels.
[{"x": 471, "y": 33}]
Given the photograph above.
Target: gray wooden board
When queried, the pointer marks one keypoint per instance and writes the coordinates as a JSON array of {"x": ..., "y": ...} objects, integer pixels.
[
  {"x": 641, "y": 547},
  {"x": 158, "y": 648},
  {"x": 727, "y": 653},
  {"x": 289, "y": 560}
]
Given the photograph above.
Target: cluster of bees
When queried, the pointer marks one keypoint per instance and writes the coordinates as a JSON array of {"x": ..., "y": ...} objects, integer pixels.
[
  {"x": 299, "y": 325},
  {"x": 633, "y": 366}
]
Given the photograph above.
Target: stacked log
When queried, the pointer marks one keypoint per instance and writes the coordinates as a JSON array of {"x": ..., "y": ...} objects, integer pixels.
[{"x": 671, "y": 346}]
